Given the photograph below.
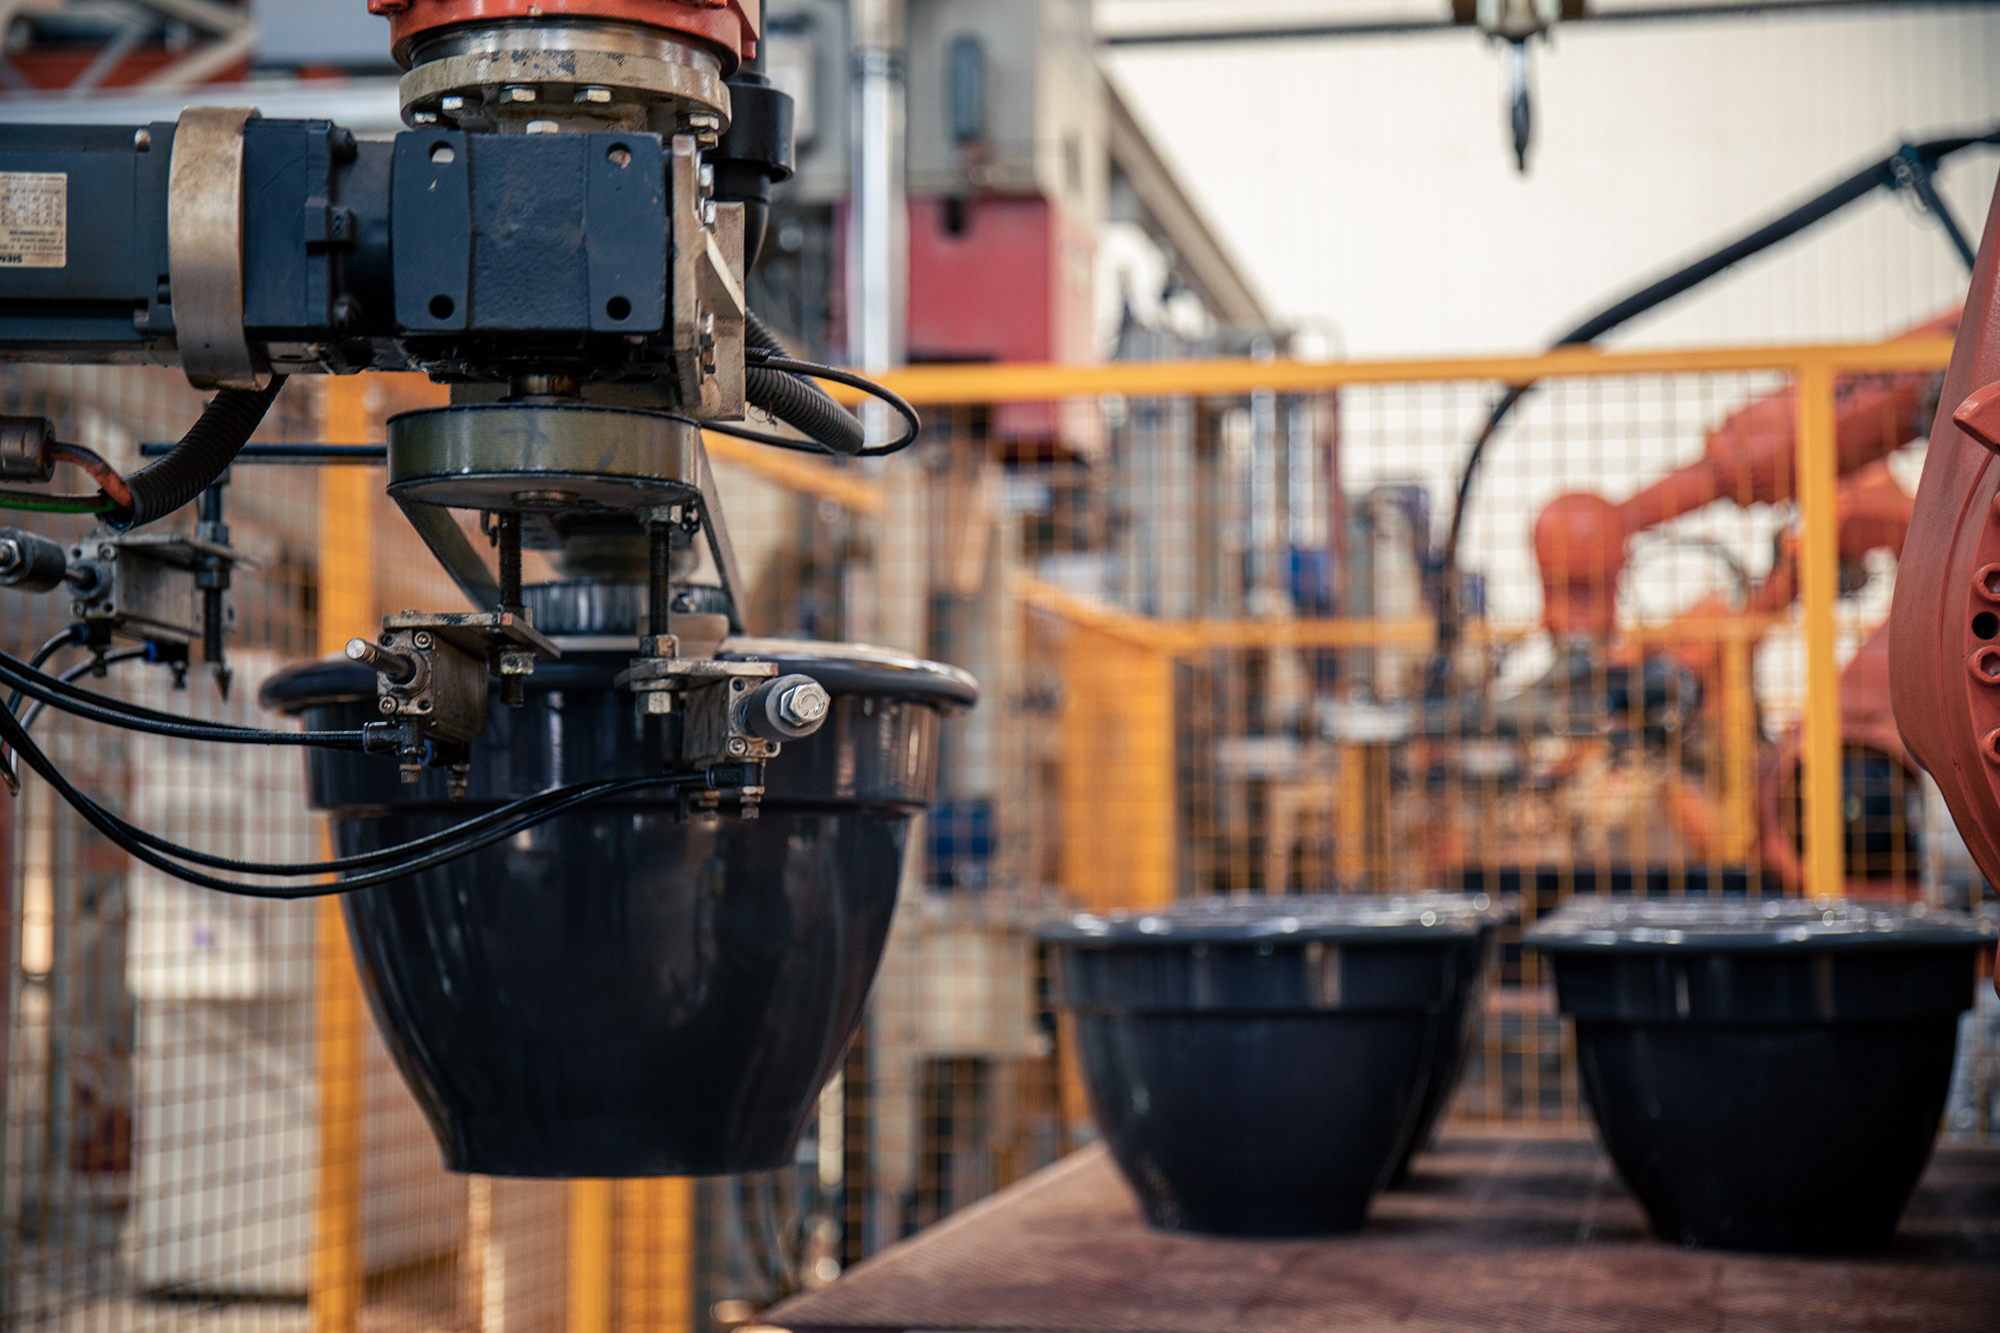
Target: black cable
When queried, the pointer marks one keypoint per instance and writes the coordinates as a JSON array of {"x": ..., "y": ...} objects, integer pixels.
[
  {"x": 793, "y": 399},
  {"x": 1889, "y": 171},
  {"x": 61, "y": 641},
  {"x": 465, "y": 832},
  {"x": 112, "y": 828},
  {"x": 71, "y": 634},
  {"x": 913, "y": 424},
  {"x": 77, "y": 672},
  {"x": 361, "y": 862},
  {"x": 50, "y": 649},
  {"x": 762, "y": 437},
  {"x": 224, "y": 426},
  {"x": 112, "y": 712}
]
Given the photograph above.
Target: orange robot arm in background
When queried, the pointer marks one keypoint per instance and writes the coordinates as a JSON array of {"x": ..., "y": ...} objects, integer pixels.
[{"x": 1580, "y": 539}]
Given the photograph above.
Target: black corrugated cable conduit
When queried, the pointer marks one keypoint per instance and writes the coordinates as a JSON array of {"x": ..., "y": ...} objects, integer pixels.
[
  {"x": 224, "y": 427},
  {"x": 793, "y": 399}
]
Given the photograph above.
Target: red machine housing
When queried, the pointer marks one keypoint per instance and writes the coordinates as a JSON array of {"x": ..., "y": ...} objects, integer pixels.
[{"x": 1944, "y": 652}]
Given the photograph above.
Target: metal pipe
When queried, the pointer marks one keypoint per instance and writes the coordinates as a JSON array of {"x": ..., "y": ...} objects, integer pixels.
[
  {"x": 876, "y": 249},
  {"x": 399, "y": 669}
]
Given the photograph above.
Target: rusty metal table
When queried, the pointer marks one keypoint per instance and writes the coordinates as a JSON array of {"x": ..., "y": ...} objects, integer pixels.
[{"x": 1499, "y": 1230}]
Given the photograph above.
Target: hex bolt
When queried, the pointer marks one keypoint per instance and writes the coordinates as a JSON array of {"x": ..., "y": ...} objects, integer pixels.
[
  {"x": 805, "y": 704},
  {"x": 423, "y": 118},
  {"x": 786, "y": 708},
  {"x": 598, "y": 95},
  {"x": 518, "y": 93},
  {"x": 452, "y": 103}
]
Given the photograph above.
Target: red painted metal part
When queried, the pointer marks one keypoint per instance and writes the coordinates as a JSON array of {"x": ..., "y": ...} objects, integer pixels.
[
  {"x": 1943, "y": 674},
  {"x": 729, "y": 27},
  {"x": 1011, "y": 283}
]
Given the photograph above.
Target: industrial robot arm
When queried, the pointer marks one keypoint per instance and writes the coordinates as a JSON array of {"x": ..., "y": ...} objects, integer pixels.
[
  {"x": 1945, "y": 622},
  {"x": 562, "y": 236}
]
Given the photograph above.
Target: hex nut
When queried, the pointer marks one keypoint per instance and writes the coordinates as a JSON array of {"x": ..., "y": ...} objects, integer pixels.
[{"x": 804, "y": 705}]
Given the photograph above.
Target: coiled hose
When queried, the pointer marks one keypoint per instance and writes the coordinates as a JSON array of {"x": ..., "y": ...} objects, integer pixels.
[
  {"x": 192, "y": 467},
  {"x": 794, "y": 400}
]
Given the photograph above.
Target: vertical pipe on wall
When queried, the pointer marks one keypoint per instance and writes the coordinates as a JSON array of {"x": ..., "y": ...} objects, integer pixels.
[
  {"x": 346, "y": 605},
  {"x": 876, "y": 225},
  {"x": 1819, "y": 586}
]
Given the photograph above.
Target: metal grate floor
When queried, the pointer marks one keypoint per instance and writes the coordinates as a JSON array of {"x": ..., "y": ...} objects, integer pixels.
[{"x": 1498, "y": 1230}]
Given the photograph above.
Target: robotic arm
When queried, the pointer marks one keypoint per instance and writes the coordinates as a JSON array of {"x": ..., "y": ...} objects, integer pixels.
[
  {"x": 1943, "y": 656},
  {"x": 561, "y": 235}
]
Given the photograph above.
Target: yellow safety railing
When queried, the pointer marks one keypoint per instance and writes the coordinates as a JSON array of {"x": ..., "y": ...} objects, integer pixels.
[{"x": 1813, "y": 368}]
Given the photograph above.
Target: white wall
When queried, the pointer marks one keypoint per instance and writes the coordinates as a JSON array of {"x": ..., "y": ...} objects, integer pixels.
[{"x": 1368, "y": 182}]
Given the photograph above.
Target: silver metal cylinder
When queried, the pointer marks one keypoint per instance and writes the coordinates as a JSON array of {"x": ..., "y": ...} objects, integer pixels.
[{"x": 541, "y": 77}]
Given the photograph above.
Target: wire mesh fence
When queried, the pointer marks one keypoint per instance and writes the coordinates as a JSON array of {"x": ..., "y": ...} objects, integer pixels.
[{"x": 1206, "y": 629}]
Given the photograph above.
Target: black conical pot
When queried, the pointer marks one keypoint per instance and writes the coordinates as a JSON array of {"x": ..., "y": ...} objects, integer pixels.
[
  {"x": 1767, "y": 1074},
  {"x": 622, "y": 991},
  {"x": 1257, "y": 1066},
  {"x": 1460, "y": 1019}
]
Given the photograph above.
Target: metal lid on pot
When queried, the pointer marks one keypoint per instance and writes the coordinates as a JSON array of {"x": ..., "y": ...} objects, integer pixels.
[
  {"x": 1282, "y": 920},
  {"x": 1756, "y": 924}
]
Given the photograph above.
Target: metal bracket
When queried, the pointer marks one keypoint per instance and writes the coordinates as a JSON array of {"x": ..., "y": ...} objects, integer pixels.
[
  {"x": 205, "y": 249},
  {"x": 706, "y": 285},
  {"x": 716, "y": 530},
  {"x": 453, "y": 549},
  {"x": 480, "y": 632},
  {"x": 148, "y": 584}
]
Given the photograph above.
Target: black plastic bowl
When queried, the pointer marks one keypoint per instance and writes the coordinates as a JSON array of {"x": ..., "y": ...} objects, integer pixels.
[
  {"x": 1257, "y": 1066},
  {"x": 1767, "y": 1074},
  {"x": 621, "y": 991},
  {"x": 1460, "y": 1018}
]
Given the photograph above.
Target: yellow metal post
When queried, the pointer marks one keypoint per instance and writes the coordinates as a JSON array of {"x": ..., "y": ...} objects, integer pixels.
[
  {"x": 1739, "y": 753},
  {"x": 589, "y": 1256},
  {"x": 1819, "y": 579},
  {"x": 654, "y": 1248},
  {"x": 1117, "y": 773},
  {"x": 346, "y": 607}
]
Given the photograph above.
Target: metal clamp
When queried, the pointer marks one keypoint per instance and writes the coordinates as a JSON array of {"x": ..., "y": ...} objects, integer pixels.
[{"x": 205, "y": 249}]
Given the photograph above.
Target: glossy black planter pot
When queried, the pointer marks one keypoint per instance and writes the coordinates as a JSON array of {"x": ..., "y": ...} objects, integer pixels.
[
  {"x": 621, "y": 991},
  {"x": 1459, "y": 1020},
  {"x": 1766, "y": 1074},
  {"x": 1257, "y": 1067}
]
